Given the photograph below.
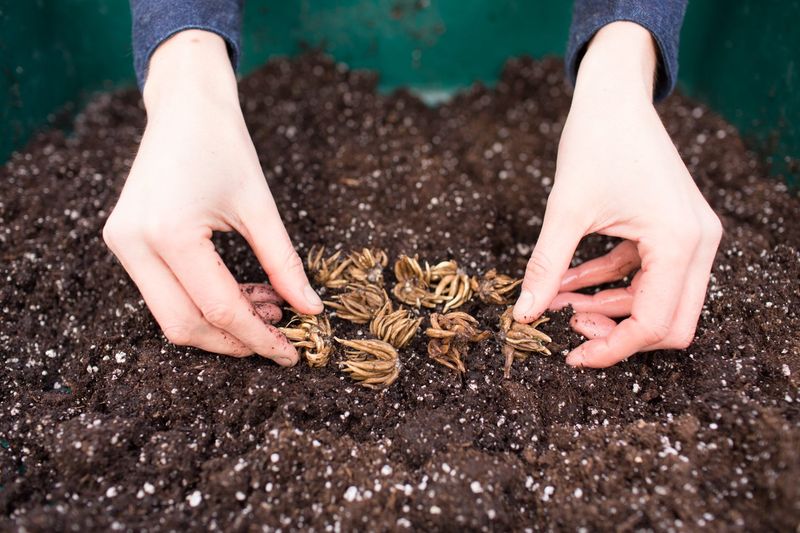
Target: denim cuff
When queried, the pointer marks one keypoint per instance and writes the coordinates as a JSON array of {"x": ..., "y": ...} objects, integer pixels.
[
  {"x": 155, "y": 21},
  {"x": 663, "y": 19}
]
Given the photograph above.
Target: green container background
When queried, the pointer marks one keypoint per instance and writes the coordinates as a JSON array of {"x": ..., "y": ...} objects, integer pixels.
[{"x": 740, "y": 57}]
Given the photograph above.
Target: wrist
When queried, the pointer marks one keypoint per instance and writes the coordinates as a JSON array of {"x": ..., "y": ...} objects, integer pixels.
[
  {"x": 620, "y": 61},
  {"x": 190, "y": 66}
]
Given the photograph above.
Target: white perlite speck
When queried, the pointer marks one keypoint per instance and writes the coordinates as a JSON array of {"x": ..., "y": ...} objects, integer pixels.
[
  {"x": 435, "y": 509},
  {"x": 386, "y": 470},
  {"x": 149, "y": 488},
  {"x": 240, "y": 496},
  {"x": 351, "y": 493},
  {"x": 548, "y": 491},
  {"x": 111, "y": 492},
  {"x": 475, "y": 487},
  {"x": 195, "y": 498},
  {"x": 274, "y": 457},
  {"x": 120, "y": 357}
]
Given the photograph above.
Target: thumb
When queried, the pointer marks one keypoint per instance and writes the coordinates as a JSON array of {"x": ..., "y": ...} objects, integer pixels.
[
  {"x": 266, "y": 235},
  {"x": 560, "y": 235}
]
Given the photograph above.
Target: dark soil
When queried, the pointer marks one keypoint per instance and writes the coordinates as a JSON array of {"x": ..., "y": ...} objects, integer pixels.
[{"x": 105, "y": 425}]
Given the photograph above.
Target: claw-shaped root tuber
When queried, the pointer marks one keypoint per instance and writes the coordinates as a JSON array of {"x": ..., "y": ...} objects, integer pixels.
[
  {"x": 395, "y": 327},
  {"x": 494, "y": 288},
  {"x": 312, "y": 335},
  {"x": 359, "y": 303},
  {"x": 453, "y": 285},
  {"x": 520, "y": 340},
  {"x": 450, "y": 336},
  {"x": 330, "y": 271},
  {"x": 413, "y": 283},
  {"x": 373, "y": 362},
  {"x": 367, "y": 266}
]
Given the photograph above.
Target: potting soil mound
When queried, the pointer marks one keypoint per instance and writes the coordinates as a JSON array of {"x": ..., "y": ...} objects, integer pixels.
[{"x": 103, "y": 424}]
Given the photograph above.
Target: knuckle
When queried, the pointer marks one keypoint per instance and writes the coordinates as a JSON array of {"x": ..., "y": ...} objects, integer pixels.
[
  {"x": 713, "y": 227},
  {"x": 163, "y": 230},
  {"x": 233, "y": 347},
  {"x": 675, "y": 254},
  {"x": 109, "y": 231},
  {"x": 538, "y": 265},
  {"x": 240, "y": 352},
  {"x": 291, "y": 261},
  {"x": 655, "y": 333},
  {"x": 683, "y": 340},
  {"x": 114, "y": 232},
  {"x": 623, "y": 251},
  {"x": 179, "y": 334},
  {"x": 623, "y": 258},
  {"x": 157, "y": 232},
  {"x": 220, "y": 315},
  {"x": 685, "y": 231}
]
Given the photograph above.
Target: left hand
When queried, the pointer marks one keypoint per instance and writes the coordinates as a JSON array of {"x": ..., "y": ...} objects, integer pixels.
[{"x": 619, "y": 174}]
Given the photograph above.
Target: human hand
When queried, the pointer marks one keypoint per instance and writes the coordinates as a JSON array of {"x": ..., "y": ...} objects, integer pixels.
[
  {"x": 197, "y": 172},
  {"x": 619, "y": 174}
]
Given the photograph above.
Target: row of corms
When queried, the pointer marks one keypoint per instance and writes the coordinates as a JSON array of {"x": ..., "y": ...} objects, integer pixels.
[{"x": 362, "y": 298}]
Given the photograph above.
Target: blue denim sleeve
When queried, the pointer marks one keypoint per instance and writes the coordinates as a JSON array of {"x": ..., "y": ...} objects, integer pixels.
[
  {"x": 154, "y": 21},
  {"x": 663, "y": 18}
]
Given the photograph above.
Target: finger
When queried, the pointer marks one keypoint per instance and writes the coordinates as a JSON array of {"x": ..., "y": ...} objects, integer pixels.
[
  {"x": 613, "y": 266},
  {"x": 592, "y": 325},
  {"x": 560, "y": 235},
  {"x": 212, "y": 288},
  {"x": 264, "y": 300},
  {"x": 176, "y": 314},
  {"x": 656, "y": 298},
  {"x": 267, "y": 236},
  {"x": 611, "y": 302},
  {"x": 269, "y": 313},
  {"x": 261, "y": 292},
  {"x": 685, "y": 320}
]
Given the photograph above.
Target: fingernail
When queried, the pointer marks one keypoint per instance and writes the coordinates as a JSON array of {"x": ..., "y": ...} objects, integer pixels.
[
  {"x": 312, "y": 297},
  {"x": 285, "y": 361},
  {"x": 575, "y": 358},
  {"x": 524, "y": 304}
]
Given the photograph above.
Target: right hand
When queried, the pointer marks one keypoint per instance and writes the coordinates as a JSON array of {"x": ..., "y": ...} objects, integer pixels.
[
  {"x": 197, "y": 172},
  {"x": 619, "y": 174}
]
